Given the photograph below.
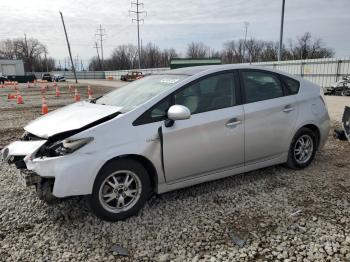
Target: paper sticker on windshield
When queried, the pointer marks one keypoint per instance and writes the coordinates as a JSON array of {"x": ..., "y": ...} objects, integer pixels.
[{"x": 169, "y": 81}]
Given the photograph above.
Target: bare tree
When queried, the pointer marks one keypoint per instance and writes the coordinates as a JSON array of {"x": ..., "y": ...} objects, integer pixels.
[
  {"x": 30, "y": 51},
  {"x": 232, "y": 52},
  {"x": 197, "y": 50},
  {"x": 270, "y": 51},
  {"x": 308, "y": 48}
]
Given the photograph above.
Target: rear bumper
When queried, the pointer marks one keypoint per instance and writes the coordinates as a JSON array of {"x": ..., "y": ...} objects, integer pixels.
[{"x": 324, "y": 132}]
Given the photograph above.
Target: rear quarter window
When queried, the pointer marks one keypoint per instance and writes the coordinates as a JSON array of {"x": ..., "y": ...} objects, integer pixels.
[{"x": 292, "y": 85}]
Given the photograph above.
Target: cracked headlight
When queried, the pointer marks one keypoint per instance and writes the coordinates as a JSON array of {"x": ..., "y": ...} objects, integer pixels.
[{"x": 68, "y": 146}]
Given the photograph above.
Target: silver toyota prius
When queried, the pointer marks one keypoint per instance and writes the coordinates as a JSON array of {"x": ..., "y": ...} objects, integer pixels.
[{"x": 168, "y": 131}]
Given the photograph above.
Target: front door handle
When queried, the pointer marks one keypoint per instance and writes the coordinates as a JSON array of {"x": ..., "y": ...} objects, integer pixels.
[
  {"x": 233, "y": 123},
  {"x": 288, "y": 108}
]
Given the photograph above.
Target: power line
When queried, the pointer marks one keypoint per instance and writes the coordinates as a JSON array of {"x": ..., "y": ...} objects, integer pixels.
[
  {"x": 101, "y": 34},
  {"x": 137, "y": 12}
]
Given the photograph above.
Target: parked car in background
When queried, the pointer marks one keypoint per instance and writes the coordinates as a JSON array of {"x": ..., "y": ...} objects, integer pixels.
[
  {"x": 59, "y": 78},
  {"x": 3, "y": 79},
  {"x": 46, "y": 77},
  {"x": 131, "y": 77},
  {"x": 168, "y": 131},
  {"x": 341, "y": 87}
]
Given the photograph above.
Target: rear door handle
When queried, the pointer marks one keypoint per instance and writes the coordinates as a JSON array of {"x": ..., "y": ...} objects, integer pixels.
[
  {"x": 233, "y": 123},
  {"x": 288, "y": 108}
]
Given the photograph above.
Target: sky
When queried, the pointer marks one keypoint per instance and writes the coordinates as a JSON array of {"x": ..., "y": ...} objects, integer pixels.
[{"x": 172, "y": 23}]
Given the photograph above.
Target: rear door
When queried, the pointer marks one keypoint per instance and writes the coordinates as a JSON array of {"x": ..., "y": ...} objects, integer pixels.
[
  {"x": 270, "y": 115},
  {"x": 212, "y": 139}
]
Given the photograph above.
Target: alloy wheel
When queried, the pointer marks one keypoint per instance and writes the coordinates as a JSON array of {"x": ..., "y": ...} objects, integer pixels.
[
  {"x": 303, "y": 149},
  {"x": 120, "y": 191}
]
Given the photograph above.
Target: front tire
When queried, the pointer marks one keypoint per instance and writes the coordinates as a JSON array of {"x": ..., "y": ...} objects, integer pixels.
[
  {"x": 120, "y": 190},
  {"x": 302, "y": 149}
]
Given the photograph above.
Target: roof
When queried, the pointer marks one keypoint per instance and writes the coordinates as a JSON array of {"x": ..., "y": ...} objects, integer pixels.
[
  {"x": 196, "y": 61},
  {"x": 193, "y": 70}
]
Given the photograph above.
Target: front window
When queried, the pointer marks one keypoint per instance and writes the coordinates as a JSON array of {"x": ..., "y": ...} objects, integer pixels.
[
  {"x": 138, "y": 92},
  {"x": 212, "y": 93}
]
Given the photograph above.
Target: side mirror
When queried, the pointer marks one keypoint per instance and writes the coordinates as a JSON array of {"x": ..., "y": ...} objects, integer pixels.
[{"x": 177, "y": 112}]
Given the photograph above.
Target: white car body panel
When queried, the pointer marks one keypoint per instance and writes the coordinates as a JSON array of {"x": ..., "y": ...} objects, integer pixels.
[
  {"x": 273, "y": 124},
  {"x": 68, "y": 118},
  {"x": 191, "y": 154},
  {"x": 20, "y": 148},
  {"x": 211, "y": 144}
]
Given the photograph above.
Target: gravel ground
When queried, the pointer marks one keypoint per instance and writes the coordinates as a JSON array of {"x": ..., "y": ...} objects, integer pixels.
[{"x": 280, "y": 214}]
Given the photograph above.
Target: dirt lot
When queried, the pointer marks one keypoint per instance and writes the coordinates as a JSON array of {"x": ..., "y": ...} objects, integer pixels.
[{"x": 280, "y": 214}]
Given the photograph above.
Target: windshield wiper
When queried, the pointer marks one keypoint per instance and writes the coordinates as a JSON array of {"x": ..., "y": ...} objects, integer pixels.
[{"x": 93, "y": 101}]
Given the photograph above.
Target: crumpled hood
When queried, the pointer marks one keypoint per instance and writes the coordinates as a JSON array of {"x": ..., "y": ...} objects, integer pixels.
[{"x": 68, "y": 118}]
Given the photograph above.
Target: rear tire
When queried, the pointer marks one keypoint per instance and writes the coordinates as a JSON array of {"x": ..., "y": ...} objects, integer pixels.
[
  {"x": 302, "y": 149},
  {"x": 120, "y": 190}
]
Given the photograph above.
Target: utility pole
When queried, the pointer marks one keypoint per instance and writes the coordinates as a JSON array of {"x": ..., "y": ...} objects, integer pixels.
[
  {"x": 47, "y": 67},
  {"x": 27, "y": 53},
  {"x": 281, "y": 33},
  {"x": 101, "y": 34},
  {"x": 98, "y": 55},
  {"x": 138, "y": 20},
  {"x": 246, "y": 24},
  {"x": 70, "y": 53},
  {"x": 77, "y": 62}
]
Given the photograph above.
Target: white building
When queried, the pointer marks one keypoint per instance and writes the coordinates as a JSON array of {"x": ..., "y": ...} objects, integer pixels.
[{"x": 11, "y": 67}]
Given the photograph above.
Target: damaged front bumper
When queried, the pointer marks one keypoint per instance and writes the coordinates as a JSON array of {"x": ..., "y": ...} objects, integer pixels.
[
  {"x": 28, "y": 178},
  {"x": 59, "y": 176},
  {"x": 18, "y": 150}
]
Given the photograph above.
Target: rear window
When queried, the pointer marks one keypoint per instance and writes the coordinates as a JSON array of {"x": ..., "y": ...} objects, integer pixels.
[{"x": 292, "y": 85}]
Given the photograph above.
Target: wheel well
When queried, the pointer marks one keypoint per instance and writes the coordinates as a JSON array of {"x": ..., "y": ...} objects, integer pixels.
[
  {"x": 314, "y": 129},
  {"x": 147, "y": 164}
]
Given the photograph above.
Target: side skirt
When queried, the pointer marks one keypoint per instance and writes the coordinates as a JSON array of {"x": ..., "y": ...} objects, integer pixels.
[{"x": 162, "y": 188}]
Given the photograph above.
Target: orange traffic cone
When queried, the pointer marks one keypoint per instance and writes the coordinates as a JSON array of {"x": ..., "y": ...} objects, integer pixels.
[
  {"x": 76, "y": 95},
  {"x": 11, "y": 96},
  {"x": 90, "y": 92},
  {"x": 57, "y": 91},
  {"x": 19, "y": 98},
  {"x": 44, "y": 107},
  {"x": 43, "y": 89}
]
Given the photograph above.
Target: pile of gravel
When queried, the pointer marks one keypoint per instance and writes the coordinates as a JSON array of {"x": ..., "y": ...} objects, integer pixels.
[{"x": 271, "y": 214}]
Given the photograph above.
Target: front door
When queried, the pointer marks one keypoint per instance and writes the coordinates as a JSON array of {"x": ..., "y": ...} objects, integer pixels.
[{"x": 213, "y": 138}]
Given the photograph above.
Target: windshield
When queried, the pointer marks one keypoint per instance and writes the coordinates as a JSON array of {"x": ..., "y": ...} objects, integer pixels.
[{"x": 134, "y": 94}]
